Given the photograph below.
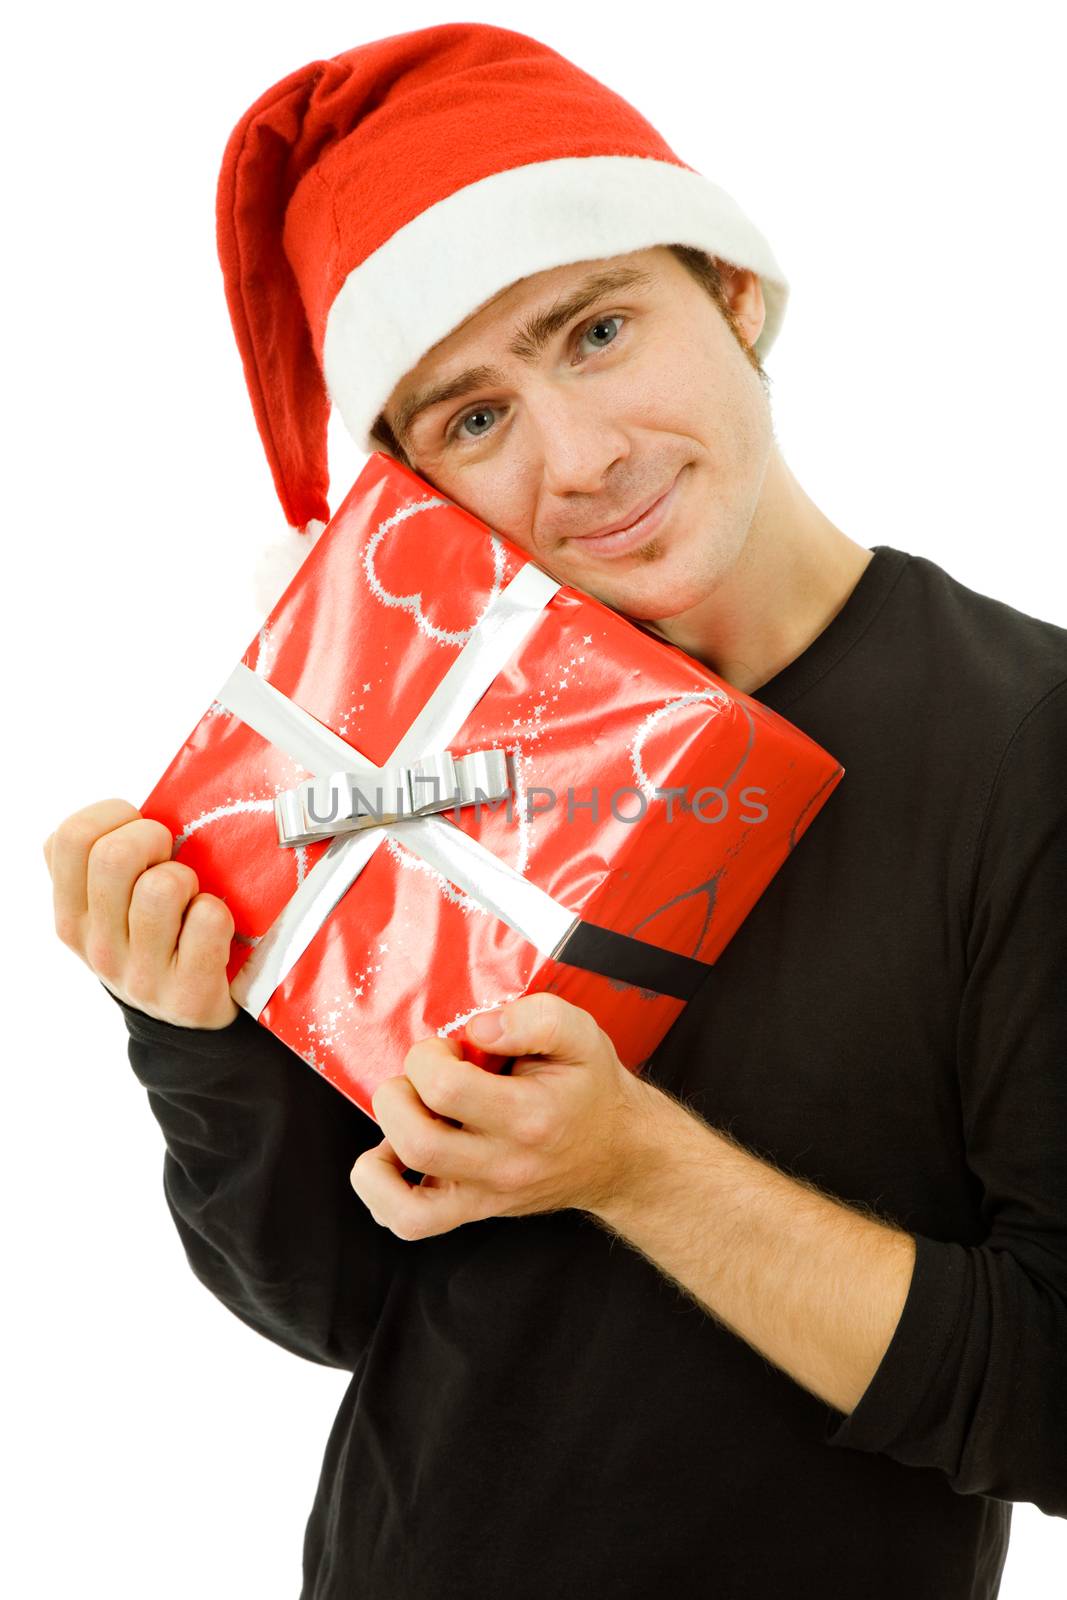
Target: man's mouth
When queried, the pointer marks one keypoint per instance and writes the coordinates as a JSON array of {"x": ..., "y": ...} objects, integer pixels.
[{"x": 622, "y": 537}]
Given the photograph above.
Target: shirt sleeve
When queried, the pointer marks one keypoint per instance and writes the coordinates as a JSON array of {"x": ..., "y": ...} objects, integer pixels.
[
  {"x": 974, "y": 1381},
  {"x": 259, "y": 1149}
]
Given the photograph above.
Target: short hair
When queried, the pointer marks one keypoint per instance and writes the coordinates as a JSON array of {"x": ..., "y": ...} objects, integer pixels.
[{"x": 701, "y": 266}]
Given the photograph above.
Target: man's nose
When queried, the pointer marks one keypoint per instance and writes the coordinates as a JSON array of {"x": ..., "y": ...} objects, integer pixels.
[{"x": 580, "y": 440}]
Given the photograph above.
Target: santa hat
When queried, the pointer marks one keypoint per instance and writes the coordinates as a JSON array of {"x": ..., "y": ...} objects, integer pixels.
[{"x": 369, "y": 203}]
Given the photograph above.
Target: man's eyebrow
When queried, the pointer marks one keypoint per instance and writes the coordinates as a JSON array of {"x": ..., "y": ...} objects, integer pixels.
[{"x": 530, "y": 339}]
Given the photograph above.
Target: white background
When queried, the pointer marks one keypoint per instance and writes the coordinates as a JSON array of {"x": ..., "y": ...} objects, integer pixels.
[{"x": 903, "y": 162}]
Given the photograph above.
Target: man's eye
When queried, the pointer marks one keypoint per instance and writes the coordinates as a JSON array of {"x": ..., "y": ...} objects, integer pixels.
[
  {"x": 601, "y": 322},
  {"x": 459, "y": 432},
  {"x": 470, "y": 416}
]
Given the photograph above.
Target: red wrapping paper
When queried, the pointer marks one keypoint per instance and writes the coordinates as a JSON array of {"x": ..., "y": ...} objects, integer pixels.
[{"x": 588, "y": 702}]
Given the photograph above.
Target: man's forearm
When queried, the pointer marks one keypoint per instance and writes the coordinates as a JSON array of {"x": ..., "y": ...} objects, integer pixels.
[{"x": 815, "y": 1286}]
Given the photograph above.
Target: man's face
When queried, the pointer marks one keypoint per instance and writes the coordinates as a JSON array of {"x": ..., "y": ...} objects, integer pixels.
[{"x": 642, "y": 392}]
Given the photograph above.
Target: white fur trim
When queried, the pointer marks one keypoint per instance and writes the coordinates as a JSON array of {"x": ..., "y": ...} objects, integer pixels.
[
  {"x": 448, "y": 261},
  {"x": 279, "y": 562}
]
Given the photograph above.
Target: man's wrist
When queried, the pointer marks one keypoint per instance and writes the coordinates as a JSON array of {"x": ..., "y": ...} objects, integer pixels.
[{"x": 651, "y": 1130}]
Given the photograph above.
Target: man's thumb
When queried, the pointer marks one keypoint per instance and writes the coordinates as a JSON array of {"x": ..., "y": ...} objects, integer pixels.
[{"x": 535, "y": 1024}]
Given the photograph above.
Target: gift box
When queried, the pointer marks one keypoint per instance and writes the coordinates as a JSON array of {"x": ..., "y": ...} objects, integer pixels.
[{"x": 438, "y": 779}]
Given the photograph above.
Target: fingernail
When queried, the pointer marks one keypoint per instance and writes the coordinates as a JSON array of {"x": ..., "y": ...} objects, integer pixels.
[{"x": 486, "y": 1026}]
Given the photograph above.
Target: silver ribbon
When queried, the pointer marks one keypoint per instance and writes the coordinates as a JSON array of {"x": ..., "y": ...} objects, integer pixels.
[{"x": 546, "y": 924}]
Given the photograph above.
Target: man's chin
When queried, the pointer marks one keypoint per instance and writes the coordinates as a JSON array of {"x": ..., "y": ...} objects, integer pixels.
[{"x": 632, "y": 589}]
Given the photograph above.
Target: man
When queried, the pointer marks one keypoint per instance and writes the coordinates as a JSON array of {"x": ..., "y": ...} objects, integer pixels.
[{"x": 786, "y": 1313}]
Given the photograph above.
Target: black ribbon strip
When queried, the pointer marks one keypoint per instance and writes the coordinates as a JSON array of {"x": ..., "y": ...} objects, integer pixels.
[{"x": 646, "y": 966}]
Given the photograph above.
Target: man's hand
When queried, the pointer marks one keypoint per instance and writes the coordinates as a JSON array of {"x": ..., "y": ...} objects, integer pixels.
[
  {"x": 556, "y": 1132},
  {"x": 137, "y": 919}
]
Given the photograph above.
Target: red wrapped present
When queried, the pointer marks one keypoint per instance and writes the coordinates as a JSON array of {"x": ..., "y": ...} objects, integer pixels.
[{"x": 438, "y": 779}]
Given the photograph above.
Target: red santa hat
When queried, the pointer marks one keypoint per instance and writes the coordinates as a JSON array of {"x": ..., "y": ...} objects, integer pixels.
[{"x": 369, "y": 203}]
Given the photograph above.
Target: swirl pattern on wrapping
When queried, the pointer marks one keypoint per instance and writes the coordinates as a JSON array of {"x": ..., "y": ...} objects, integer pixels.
[{"x": 709, "y": 888}]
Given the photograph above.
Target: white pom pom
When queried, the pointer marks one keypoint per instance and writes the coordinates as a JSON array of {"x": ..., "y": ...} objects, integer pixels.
[{"x": 279, "y": 563}]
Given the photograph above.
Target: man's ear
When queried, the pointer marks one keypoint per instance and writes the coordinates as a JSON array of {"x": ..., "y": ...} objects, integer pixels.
[{"x": 744, "y": 295}]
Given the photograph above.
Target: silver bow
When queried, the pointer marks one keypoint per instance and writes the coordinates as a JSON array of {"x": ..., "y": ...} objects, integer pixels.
[{"x": 366, "y": 797}]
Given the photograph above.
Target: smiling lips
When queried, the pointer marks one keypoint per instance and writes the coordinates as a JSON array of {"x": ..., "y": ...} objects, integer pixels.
[
  {"x": 624, "y": 536},
  {"x": 627, "y": 522}
]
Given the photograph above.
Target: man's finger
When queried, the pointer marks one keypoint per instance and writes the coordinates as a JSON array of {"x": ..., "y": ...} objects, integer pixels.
[
  {"x": 425, "y": 1142},
  {"x": 487, "y": 1102},
  {"x": 410, "y": 1213},
  {"x": 115, "y": 863},
  {"x": 67, "y": 853}
]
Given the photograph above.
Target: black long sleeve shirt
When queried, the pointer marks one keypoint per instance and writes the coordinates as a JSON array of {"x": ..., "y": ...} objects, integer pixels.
[{"x": 534, "y": 1408}]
